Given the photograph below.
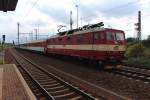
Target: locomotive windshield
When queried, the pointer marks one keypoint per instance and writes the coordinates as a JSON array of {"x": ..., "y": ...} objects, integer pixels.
[
  {"x": 115, "y": 36},
  {"x": 119, "y": 36}
]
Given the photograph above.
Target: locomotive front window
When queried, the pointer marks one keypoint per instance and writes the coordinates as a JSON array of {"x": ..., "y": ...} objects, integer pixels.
[
  {"x": 115, "y": 36},
  {"x": 110, "y": 36},
  {"x": 119, "y": 36}
]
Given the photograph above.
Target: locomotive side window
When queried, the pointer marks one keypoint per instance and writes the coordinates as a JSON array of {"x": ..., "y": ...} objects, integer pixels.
[
  {"x": 102, "y": 36},
  {"x": 96, "y": 36},
  {"x": 60, "y": 39},
  {"x": 110, "y": 36},
  {"x": 119, "y": 36},
  {"x": 68, "y": 38},
  {"x": 79, "y": 38}
]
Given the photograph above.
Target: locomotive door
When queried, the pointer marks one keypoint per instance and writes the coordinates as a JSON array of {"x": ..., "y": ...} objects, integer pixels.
[{"x": 98, "y": 44}]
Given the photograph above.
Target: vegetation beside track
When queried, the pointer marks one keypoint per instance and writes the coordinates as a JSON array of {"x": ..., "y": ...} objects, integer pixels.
[
  {"x": 6, "y": 45},
  {"x": 138, "y": 53},
  {"x": 1, "y": 62}
]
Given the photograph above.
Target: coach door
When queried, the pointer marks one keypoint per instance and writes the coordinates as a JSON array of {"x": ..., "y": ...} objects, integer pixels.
[{"x": 45, "y": 46}]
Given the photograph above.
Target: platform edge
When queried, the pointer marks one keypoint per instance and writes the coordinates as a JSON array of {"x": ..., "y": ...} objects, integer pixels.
[{"x": 25, "y": 85}]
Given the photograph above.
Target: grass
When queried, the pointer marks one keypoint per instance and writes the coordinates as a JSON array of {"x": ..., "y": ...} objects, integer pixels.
[{"x": 1, "y": 62}]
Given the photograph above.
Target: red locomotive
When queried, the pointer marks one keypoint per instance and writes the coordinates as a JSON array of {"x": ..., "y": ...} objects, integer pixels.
[{"x": 90, "y": 42}]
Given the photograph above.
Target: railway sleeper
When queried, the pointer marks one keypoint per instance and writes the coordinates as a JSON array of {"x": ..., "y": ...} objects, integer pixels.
[
  {"x": 54, "y": 88},
  {"x": 48, "y": 80},
  {"x": 45, "y": 81},
  {"x": 40, "y": 77},
  {"x": 59, "y": 91},
  {"x": 65, "y": 95},
  {"x": 50, "y": 85},
  {"x": 76, "y": 98}
]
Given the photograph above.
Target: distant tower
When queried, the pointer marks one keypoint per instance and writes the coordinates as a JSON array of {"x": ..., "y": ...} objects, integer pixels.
[
  {"x": 138, "y": 26},
  {"x": 71, "y": 22}
]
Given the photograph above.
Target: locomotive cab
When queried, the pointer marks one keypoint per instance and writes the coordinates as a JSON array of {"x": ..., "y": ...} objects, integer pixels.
[{"x": 115, "y": 40}]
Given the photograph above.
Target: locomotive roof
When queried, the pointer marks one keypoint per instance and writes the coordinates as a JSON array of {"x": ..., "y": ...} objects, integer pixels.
[{"x": 74, "y": 32}]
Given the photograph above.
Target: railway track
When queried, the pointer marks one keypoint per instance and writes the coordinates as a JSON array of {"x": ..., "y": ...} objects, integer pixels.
[
  {"x": 132, "y": 74},
  {"x": 137, "y": 67},
  {"x": 47, "y": 86}
]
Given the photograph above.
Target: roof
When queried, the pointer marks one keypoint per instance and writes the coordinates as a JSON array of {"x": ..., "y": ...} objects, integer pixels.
[
  {"x": 8, "y": 5},
  {"x": 34, "y": 41}
]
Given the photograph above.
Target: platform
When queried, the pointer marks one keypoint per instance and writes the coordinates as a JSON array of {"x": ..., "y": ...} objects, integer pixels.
[{"x": 12, "y": 84}]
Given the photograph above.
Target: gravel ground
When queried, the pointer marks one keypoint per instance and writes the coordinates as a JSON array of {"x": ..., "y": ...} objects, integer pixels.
[{"x": 135, "y": 90}]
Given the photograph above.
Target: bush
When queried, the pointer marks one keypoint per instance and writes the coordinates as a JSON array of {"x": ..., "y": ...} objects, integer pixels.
[
  {"x": 147, "y": 53},
  {"x": 135, "y": 51},
  {"x": 146, "y": 43}
]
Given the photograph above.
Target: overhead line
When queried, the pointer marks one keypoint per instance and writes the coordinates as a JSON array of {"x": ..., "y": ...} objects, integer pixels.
[{"x": 30, "y": 9}]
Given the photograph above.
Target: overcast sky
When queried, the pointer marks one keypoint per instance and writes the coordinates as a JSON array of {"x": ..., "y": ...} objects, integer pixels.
[{"x": 48, "y": 14}]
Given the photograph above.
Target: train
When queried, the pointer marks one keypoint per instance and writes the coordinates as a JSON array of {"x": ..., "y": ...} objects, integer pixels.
[{"x": 90, "y": 42}]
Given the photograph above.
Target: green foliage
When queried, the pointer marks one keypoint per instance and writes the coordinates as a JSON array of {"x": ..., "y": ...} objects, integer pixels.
[
  {"x": 130, "y": 39},
  {"x": 146, "y": 43},
  {"x": 147, "y": 53},
  {"x": 136, "y": 50},
  {"x": 148, "y": 37},
  {"x": 138, "y": 53},
  {"x": 1, "y": 62}
]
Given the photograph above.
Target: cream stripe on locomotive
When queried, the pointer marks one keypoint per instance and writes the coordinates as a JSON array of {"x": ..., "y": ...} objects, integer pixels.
[{"x": 97, "y": 47}]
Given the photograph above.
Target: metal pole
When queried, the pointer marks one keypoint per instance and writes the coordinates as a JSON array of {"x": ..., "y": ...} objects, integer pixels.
[
  {"x": 139, "y": 25},
  {"x": 71, "y": 20},
  {"x": 38, "y": 31},
  {"x": 18, "y": 32},
  {"x": 77, "y": 15},
  {"x": 35, "y": 34},
  {"x": 81, "y": 21}
]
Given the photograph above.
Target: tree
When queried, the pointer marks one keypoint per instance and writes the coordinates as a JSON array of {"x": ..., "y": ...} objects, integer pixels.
[
  {"x": 148, "y": 38},
  {"x": 130, "y": 39},
  {"x": 146, "y": 43},
  {"x": 135, "y": 51}
]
